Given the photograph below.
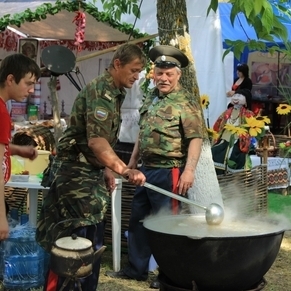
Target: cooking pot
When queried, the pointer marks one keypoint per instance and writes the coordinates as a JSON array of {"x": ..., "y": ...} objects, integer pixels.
[
  {"x": 73, "y": 256},
  {"x": 214, "y": 261}
]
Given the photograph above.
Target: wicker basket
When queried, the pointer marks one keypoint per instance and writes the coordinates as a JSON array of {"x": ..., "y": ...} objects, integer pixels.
[
  {"x": 38, "y": 136},
  {"x": 245, "y": 192},
  {"x": 268, "y": 142}
]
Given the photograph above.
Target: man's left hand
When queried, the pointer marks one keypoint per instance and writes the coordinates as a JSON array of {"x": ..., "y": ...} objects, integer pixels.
[{"x": 185, "y": 182}]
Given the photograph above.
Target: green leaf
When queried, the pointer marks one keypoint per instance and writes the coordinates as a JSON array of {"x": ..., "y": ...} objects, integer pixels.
[
  {"x": 117, "y": 14},
  {"x": 226, "y": 52},
  {"x": 213, "y": 6},
  {"x": 267, "y": 19},
  {"x": 248, "y": 164},
  {"x": 248, "y": 7},
  {"x": 233, "y": 13},
  {"x": 136, "y": 11},
  {"x": 257, "y": 6},
  {"x": 231, "y": 164}
]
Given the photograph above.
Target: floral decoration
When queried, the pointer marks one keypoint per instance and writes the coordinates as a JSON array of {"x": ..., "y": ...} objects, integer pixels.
[
  {"x": 253, "y": 127},
  {"x": 204, "y": 101},
  {"x": 213, "y": 135},
  {"x": 283, "y": 109}
]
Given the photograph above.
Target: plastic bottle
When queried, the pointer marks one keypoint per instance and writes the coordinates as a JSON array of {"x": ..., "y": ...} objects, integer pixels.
[
  {"x": 24, "y": 218},
  {"x": 23, "y": 259},
  {"x": 14, "y": 214},
  {"x": 1, "y": 260}
]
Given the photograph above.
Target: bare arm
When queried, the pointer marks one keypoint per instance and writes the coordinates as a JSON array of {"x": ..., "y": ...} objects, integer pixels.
[
  {"x": 4, "y": 228},
  {"x": 106, "y": 156},
  {"x": 187, "y": 178},
  {"x": 23, "y": 151},
  {"x": 134, "y": 156}
]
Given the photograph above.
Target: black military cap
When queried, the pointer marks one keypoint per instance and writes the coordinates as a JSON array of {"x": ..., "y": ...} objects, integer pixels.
[{"x": 166, "y": 56}]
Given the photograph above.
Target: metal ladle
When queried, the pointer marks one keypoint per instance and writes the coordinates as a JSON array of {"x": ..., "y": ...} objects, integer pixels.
[{"x": 214, "y": 212}]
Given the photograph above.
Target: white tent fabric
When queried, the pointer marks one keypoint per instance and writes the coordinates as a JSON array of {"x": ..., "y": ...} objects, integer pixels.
[{"x": 206, "y": 47}]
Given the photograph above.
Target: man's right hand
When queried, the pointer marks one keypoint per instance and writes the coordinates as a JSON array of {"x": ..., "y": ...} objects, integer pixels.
[{"x": 135, "y": 177}]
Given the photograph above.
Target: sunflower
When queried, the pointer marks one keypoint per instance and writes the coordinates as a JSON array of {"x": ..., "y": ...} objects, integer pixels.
[
  {"x": 255, "y": 126},
  {"x": 241, "y": 131},
  {"x": 265, "y": 119},
  {"x": 232, "y": 128},
  {"x": 204, "y": 101},
  {"x": 283, "y": 109},
  {"x": 236, "y": 129},
  {"x": 254, "y": 122},
  {"x": 212, "y": 133}
]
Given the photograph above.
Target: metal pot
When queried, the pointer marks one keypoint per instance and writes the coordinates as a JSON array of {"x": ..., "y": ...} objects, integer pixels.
[
  {"x": 213, "y": 263},
  {"x": 73, "y": 256}
]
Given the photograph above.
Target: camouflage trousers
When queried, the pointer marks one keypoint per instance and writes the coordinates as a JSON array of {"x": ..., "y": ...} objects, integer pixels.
[{"x": 77, "y": 197}]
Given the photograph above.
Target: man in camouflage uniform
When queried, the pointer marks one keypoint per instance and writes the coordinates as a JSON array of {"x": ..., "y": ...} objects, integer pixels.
[
  {"x": 169, "y": 146},
  {"x": 79, "y": 194}
]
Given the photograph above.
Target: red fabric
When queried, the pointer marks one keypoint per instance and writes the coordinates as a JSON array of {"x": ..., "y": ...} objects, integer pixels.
[
  {"x": 222, "y": 120},
  {"x": 234, "y": 87},
  {"x": 52, "y": 282},
  {"x": 175, "y": 179},
  {"x": 256, "y": 107},
  {"x": 5, "y": 138}
]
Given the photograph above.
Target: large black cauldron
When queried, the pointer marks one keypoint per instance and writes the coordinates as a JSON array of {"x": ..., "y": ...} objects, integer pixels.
[{"x": 231, "y": 263}]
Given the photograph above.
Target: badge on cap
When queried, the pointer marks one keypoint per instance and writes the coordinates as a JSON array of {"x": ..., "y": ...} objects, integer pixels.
[{"x": 163, "y": 58}]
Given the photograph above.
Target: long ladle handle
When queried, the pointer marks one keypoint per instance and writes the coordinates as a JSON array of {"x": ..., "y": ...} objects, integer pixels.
[{"x": 172, "y": 195}]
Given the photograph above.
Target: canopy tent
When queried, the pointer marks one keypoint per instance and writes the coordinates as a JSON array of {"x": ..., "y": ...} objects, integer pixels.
[
  {"x": 52, "y": 21},
  {"x": 46, "y": 23}
]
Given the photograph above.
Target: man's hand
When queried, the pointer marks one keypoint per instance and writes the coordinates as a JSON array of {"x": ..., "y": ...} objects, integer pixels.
[
  {"x": 109, "y": 179},
  {"x": 135, "y": 177},
  {"x": 185, "y": 182},
  {"x": 28, "y": 152}
]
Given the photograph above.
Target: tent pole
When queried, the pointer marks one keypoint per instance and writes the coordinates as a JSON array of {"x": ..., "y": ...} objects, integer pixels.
[{"x": 111, "y": 49}]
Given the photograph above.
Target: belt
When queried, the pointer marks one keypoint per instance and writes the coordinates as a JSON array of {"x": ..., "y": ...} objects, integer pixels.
[{"x": 164, "y": 164}]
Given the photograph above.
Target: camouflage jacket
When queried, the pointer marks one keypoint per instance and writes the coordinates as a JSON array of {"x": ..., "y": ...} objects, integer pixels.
[
  {"x": 78, "y": 194},
  {"x": 95, "y": 113},
  {"x": 167, "y": 125}
]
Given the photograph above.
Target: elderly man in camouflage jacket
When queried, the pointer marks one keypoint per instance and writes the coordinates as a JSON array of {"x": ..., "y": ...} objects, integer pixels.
[
  {"x": 169, "y": 146},
  {"x": 78, "y": 197}
]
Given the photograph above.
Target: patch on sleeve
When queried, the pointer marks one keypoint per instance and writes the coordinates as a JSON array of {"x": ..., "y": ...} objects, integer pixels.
[{"x": 101, "y": 113}]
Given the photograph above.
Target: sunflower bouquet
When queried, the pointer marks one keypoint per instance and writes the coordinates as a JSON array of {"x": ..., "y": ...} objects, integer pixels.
[
  {"x": 253, "y": 127},
  {"x": 251, "y": 131}
]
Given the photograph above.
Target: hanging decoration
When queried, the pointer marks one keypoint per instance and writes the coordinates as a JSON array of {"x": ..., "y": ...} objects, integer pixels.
[{"x": 80, "y": 21}]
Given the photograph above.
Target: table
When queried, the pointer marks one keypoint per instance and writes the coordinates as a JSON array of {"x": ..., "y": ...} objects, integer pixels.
[
  {"x": 33, "y": 185},
  {"x": 276, "y": 164}
]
